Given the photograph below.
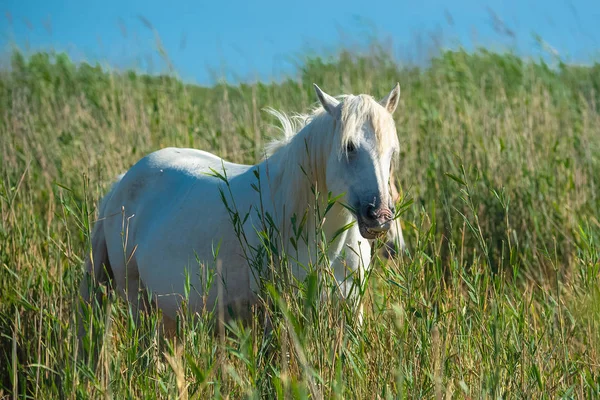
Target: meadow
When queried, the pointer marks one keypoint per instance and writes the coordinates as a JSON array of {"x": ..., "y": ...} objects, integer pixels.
[{"x": 496, "y": 295}]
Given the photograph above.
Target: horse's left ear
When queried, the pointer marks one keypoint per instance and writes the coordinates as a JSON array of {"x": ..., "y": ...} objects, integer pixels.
[{"x": 390, "y": 102}]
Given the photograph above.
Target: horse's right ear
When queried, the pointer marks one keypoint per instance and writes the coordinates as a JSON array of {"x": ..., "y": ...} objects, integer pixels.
[{"x": 329, "y": 103}]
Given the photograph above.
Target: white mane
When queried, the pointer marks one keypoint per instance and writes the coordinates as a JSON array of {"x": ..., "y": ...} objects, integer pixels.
[{"x": 289, "y": 126}]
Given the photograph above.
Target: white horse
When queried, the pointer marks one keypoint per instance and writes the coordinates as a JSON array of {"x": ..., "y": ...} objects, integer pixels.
[{"x": 171, "y": 214}]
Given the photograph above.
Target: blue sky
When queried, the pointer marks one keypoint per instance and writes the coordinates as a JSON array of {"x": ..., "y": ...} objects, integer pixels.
[{"x": 246, "y": 40}]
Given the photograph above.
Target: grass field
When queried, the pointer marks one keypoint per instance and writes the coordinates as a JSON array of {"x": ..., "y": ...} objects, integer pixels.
[{"x": 497, "y": 294}]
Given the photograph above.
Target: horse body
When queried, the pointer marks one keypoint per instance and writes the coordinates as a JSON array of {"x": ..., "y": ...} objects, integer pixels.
[
  {"x": 163, "y": 205},
  {"x": 165, "y": 222}
]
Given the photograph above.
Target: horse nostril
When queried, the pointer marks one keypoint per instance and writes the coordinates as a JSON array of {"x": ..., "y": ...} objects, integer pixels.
[{"x": 372, "y": 212}]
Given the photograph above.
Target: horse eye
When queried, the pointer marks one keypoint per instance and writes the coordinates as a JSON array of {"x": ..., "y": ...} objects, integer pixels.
[{"x": 350, "y": 147}]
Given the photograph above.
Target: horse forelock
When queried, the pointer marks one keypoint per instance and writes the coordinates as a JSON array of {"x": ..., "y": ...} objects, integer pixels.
[{"x": 356, "y": 111}]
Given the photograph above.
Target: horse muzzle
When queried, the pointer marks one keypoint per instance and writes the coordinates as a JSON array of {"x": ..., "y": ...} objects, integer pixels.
[{"x": 374, "y": 223}]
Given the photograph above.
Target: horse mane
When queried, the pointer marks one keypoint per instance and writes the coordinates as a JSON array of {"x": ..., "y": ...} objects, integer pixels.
[{"x": 289, "y": 126}]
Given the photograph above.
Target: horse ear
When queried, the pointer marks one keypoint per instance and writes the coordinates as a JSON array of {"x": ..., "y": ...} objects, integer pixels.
[
  {"x": 390, "y": 102},
  {"x": 329, "y": 103}
]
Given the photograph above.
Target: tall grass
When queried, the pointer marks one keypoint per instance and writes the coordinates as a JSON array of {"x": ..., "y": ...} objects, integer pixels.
[{"x": 498, "y": 294}]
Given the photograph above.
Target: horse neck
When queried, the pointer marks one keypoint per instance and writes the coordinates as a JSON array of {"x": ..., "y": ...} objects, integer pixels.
[{"x": 298, "y": 167}]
